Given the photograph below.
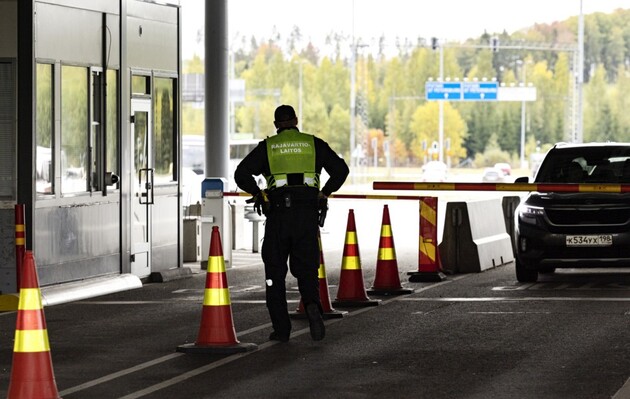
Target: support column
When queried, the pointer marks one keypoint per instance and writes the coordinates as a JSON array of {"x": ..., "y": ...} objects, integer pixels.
[
  {"x": 216, "y": 87},
  {"x": 26, "y": 114}
]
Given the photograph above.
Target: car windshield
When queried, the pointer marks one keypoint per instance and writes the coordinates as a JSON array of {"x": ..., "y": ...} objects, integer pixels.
[{"x": 584, "y": 164}]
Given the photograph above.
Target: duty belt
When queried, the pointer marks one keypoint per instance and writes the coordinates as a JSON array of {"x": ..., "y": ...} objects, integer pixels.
[{"x": 291, "y": 200}]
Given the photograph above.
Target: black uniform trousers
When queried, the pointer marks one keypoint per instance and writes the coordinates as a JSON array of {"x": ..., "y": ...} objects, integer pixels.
[{"x": 290, "y": 234}]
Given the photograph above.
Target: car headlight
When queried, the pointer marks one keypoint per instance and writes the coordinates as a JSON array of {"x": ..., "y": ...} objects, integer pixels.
[{"x": 529, "y": 214}]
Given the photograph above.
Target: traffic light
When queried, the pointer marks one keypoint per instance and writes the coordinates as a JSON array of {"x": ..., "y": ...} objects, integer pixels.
[
  {"x": 495, "y": 44},
  {"x": 434, "y": 43}
]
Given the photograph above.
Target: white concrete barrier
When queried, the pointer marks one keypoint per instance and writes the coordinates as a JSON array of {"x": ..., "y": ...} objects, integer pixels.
[{"x": 475, "y": 237}]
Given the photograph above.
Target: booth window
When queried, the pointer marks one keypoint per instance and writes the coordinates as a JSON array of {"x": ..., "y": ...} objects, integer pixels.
[
  {"x": 74, "y": 129},
  {"x": 95, "y": 142},
  {"x": 140, "y": 85},
  {"x": 164, "y": 128},
  {"x": 44, "y": 160},
  {"x": 103, "y": 140}
]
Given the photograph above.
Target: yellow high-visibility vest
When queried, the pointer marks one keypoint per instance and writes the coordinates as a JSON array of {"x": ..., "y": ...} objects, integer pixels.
[{"x": 291, "y": 152}]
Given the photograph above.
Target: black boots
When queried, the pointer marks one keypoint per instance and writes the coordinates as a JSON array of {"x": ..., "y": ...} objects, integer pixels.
[
  {"x": 274, "y": 336},
  {"x": 315, "y": 321},
  {"x": 318, "y": 329}
]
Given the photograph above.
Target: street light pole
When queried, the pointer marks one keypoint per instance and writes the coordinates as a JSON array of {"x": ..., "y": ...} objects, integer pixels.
[
  {"x": 232, "y": 121},
  {"x": 441, "y": 110},
  {"x": 300, "y": 97},
  {"x": 353, "y": 102},
  {"x": 524, "y": 79},
  {"x": 579, "y": 133},
  {"x": 523, "y": 135}
]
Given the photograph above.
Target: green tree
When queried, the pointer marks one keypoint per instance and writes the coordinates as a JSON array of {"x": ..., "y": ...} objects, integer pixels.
[
  {"x": 194, "y": 65},
  {"x": 620, "y": 106},
  {"x": 541, "y": 112},
  {"x": 192, "y": 119},
  {"x": 425, "y": 123},
  {"x": 333, "y": 83},
  {"x": 492, "y": 153},
  {"x": 595, "y": 98},
  {"x": 316, "y": 119},
  {"x": 483, "y": 67},
  {"x": 609, "y": 127},
  {"x": 339, "y": 131},
  {"x": 390, "y": 90}
]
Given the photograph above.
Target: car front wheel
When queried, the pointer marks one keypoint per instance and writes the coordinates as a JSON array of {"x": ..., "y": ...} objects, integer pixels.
[{"x": 525, "y": 275}]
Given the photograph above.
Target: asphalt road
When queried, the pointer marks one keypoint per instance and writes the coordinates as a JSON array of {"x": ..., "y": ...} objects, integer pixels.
[{"x": 479, "y": 335}]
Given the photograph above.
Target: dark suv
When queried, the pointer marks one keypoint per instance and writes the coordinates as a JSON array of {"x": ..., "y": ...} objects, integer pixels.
[{"x": 585, "y": 229}]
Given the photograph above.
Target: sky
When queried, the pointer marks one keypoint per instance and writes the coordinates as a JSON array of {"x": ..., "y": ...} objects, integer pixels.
[{"x": 450, "y": 20}]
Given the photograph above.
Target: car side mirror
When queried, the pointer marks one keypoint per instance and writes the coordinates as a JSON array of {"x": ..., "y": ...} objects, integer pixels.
[{"x": 522, "y": 179}]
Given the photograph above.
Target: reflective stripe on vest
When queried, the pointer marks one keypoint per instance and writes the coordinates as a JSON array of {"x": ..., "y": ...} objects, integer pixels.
[{"x": 291, "y": 152}]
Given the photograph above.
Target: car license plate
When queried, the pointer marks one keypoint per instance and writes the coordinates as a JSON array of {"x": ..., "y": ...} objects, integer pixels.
[{"x": 602, "y": 240}]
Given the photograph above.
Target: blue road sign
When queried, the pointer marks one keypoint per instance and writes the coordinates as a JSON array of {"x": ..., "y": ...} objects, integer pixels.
[
  {"x": 451, "y": 91},
  {"x": 457, "y": 91},
  {"x": 480, "y": 91}
]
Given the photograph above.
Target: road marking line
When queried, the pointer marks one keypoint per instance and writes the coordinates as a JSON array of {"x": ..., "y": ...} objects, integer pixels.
[
  {"x": 260, "y": 301},
  {"x": 121, "y": 302},
  {"x": 120, "y": 373},
  {"x": 509, "y": 312},
  {"x": 523, "y": 299},
  {"x": 194, "y": 373},
  {"x": 253, "y": 301},
  {"x": 142, "y": 366},
  {"x": 229, "y": 359},
  {"x": 513, "y": 288},
  {"x": 551, "y": 286}
]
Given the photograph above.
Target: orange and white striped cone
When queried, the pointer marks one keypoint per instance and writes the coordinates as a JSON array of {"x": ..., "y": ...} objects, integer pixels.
[
  {"x": 386, "y": 279},
  {"x": 32, "y": 372},
  {"x": 324, "y": 298},
  {"x": 351, "y": 292},
  {"x": 429, "y": 268},
  {"x": 216, "y": 332}
]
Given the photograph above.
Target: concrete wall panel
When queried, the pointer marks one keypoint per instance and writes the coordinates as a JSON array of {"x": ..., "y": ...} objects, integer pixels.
[
  {"x": 152, "y": 44},
  {"x": 152, "y": 36},
  {"x": 68, "y": 34}
]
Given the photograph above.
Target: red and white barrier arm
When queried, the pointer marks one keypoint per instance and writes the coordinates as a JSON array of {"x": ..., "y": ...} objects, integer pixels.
[{"x": 343, "y": 196}]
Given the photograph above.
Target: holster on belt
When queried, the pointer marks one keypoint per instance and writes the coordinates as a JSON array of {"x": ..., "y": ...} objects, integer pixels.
[{"x": 285, "y": 199}]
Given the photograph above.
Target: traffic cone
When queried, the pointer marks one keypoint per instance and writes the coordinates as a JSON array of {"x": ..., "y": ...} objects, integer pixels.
[
  {"x": 351, "y": 291},
  {"x": 216, "y": 333},
  {"x": 386, "y": 280},
  {"x": 32, "y": 372},
  {"x": 329, "y": 311}
]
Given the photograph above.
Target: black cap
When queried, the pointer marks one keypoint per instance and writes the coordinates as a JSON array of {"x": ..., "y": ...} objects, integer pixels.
[{"x": 284, "y": 113}]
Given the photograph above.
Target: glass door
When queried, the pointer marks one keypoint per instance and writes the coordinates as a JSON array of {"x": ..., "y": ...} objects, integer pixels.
[{"x": 142, "y": 187}]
